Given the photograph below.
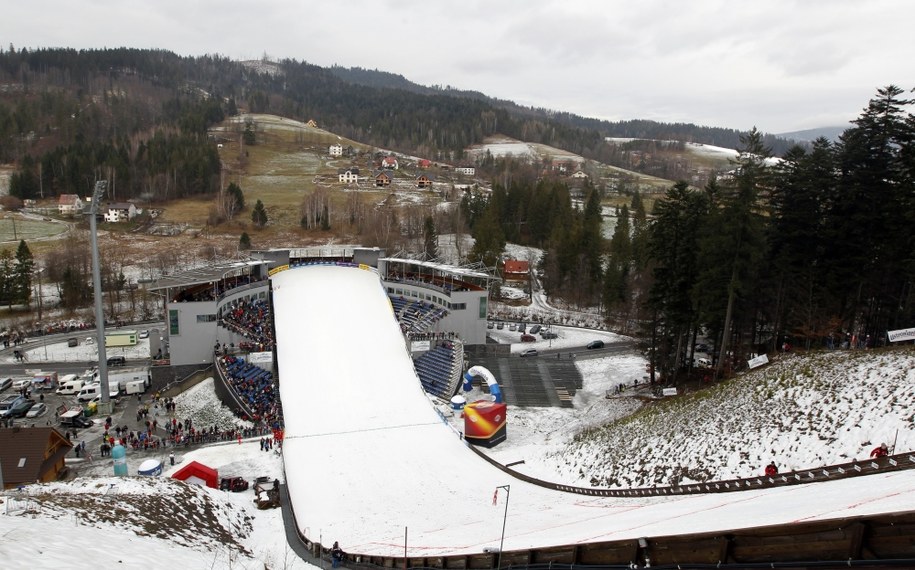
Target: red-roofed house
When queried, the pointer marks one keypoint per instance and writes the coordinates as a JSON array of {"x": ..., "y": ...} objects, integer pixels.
[
  {"x": 515, "y": 270},
  {"x": 389, "y": 162},
  {"x": 69, "y": 204}
]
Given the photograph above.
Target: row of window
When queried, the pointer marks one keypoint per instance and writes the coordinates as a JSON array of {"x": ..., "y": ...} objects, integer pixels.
[{"x": 427, "y": 297}]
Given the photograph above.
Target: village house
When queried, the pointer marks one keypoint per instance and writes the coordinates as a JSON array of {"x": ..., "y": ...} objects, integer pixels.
[
  {"x": 32, "y": 454},
  {"x": 335, "y": 150},
  {"x": 466, "y": 170},
  {"x": 424, "y": 181},
  {"x": 348, "y": 175},
  {"x": 383, "y": 178},
  {"x": 120, "y": 212},
  {"x": 389, "y": 162},
  {"x": 515, "y": 270},
  {"x": 69, "y": 204},
  {"x": 580, "y": 174},
  {"x": 424, "y": 163}
]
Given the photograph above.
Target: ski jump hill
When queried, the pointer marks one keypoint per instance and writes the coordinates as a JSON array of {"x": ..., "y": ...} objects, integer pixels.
[{"x": 370, "y": 463}]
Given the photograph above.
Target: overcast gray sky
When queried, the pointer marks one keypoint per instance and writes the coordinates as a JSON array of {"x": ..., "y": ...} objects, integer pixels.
[{"x": 780, "y": 65}]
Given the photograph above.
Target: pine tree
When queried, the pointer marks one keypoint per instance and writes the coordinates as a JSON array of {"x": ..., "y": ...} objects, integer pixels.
[
  {"x": 870, "y": 234},
  {"x": 22, "y": 274},
  {"x": 259, "y": 214},
  {"x": 732, "y": 247},
  {"x": 673, "y": 245},
  {"x": 244, "y": 242},
  {"x": 430, "y": 239}
]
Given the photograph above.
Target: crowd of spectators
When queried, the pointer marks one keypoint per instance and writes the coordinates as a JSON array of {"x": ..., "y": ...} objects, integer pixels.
[
  {"x": 255, "y": 388},
  {"x": 252, "y": 319}
]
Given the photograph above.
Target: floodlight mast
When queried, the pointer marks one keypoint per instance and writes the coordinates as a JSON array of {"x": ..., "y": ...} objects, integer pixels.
[{"x": 104, "y": 406}]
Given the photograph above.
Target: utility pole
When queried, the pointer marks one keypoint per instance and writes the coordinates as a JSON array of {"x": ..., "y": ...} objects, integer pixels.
[
  {"x": 508, "y": 489},
  {"x": 104, "y": 407}
]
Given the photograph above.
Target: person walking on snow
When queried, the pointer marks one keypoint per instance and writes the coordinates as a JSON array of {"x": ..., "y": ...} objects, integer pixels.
[{"x": 336, "y": 554}]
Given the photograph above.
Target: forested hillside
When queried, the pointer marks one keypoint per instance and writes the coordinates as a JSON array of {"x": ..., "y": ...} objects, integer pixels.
[
  {"x": 817, "y": 249},
  {"x": 139, "y": 117}
]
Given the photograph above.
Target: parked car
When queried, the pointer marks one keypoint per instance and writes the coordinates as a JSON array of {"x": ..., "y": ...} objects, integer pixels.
[
  {"x": 490, "y": 325},
  {"x": 15, "y": 408},
  {"x": 37, "y": 410},
  {"x": 22, "y": 383},
  {"x": 513, "y": 327},
  {"x": 522, "y": 327},
  {"x": 535, "y": 329},
  {"x": 144, "y": 334},
  {"x": 5, "y": 383},
  {"x": 595, "y": 344},
  {"x": 75, "y": 418},
  {"x": 529, "y": 352},
  {"x": 548, "y": 334},
  {"x": 7, "y": 404},
  {"x": 528, "y": 338},
  {"x": 500, "y": 325},
  {"x": 116, "y": 361},
  {"x": 234, "y": 484}
]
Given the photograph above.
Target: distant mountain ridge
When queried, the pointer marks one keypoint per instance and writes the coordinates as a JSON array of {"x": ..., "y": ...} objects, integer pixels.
[
  {"x": 635, "y": 128},
  {"x": 810, "y": 135}
]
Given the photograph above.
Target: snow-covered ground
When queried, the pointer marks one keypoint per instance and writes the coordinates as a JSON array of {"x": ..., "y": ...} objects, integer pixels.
[{"x": 801, "y": 410}]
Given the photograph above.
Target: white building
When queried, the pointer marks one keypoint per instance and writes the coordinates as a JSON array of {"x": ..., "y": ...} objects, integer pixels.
[
  {"x": 335, "y": 150},
  {"x": 120, "y": 212}
]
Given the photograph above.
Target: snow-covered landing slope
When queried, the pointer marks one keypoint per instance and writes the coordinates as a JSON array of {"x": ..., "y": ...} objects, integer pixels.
[{"x": 366, "y": 455}]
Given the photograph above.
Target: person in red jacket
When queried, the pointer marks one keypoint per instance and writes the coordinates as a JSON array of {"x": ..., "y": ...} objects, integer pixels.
[
  {"x": 881, "y": 451},
  {"x": 771, "y": 469}
]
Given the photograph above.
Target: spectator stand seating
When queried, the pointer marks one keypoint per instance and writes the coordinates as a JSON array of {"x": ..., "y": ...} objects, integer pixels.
[
  {"x": 254, "y": 388},
  {"x": 439, "y": 369},
  {"x": 415, "y": 315}
]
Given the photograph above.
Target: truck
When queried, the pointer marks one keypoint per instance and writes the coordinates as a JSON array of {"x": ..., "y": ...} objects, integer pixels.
[
  {"x": 136, "y": 387},
  {"x": 44, "y": 381},
  {"x": 119, "y": 379}
]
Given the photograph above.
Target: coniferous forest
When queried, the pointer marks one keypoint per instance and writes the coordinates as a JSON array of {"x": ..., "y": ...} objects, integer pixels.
[{"x": 813, "y": 249}]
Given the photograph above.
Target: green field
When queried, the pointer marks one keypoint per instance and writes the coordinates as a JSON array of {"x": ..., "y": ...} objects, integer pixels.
[{"x": 14, "y": 228}]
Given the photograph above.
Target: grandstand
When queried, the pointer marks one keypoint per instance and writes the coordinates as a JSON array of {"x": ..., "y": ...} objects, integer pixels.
[{"x": 439, "y": 370}]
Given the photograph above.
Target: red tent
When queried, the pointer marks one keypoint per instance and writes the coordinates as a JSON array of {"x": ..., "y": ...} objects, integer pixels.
[{"x": 198, "y": 474}]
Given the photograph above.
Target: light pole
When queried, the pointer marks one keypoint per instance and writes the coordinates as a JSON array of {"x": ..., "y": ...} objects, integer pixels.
[
  {"x": 508, "y": 490},
  {"x": 105, "y": 406}
]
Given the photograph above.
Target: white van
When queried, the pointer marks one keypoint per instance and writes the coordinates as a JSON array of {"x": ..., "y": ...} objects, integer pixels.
[
  {"x": 70, "y": 387},
  {"x": 87, "y": 393}
]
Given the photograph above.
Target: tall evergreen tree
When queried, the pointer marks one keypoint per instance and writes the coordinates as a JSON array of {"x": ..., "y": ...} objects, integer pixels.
[
  {"x": 673, "y": 244},
  {"x": 259, "y": 214},
  {"x": 870, "y": 234},
  {"x": 430, "y": 239},
  {"x": 732, "y": 246},
  {"x": 22, "y": 274}
]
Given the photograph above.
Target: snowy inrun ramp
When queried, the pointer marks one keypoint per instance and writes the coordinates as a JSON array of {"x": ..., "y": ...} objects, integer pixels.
[{"x": 366, "y": 455}]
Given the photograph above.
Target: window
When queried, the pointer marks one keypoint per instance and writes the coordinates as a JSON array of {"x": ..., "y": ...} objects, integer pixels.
[
  {"x": 458, "y": 306},
  {"x": 483, "y": 302},
  {"x": 206, "y": 318},
  {"x": 173, "y": 328}
]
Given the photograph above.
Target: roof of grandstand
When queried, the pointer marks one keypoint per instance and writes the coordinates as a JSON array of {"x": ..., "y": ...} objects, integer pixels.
[
  {"x": 206, "y": 274},
  {"x": 464, "y": 271}
]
